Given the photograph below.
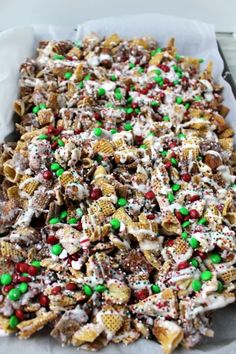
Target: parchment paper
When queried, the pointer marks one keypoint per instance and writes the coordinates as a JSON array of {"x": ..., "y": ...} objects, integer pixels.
[{"x": 192, "y": 38}]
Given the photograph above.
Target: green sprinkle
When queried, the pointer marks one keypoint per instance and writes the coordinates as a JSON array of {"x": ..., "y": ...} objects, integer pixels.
[
  {"x": 131, "y": 65},
  {"x": 197, "y": 98},
  {"x": 166, "y": 118},
  {"x": 164, "y": 153},
  {"x": 194, "y": 243},
  {"x": 202, "y": 221},
  {"x": 67, "y": 75},
  {"x": 42, "y": 106},
  {"x": 129, "y": 110},
  {"x": 80, "y": 85},
  {"x": 216, "y": 258},
  {"x": 63, "y": 214},
  {"x": 55, "y": 166},
  {"x": 206, "y": 275},
  {"x": 176, "y": 187},
  {"x": 60, "y": 172},
  {"x": 137, "y": 110},
  {"x": 196, "y": 285},
  {"x": 60, "y": 142},
  {"x": 42, "y": 137},
  {"x": 58, "y": 57},
  {"x": 36, "y": 109},
  {"x": 79, "y": 212},
  {"x": 187, "y": 105},
  {"x": 184, "y": 235},
  {"x": 173, "y": 161},
  {"x": 158, "y": 79},
  {"x": 220, "y": 287},
  {"x": 179, "y": 100},
  {"x": 97, "y": 131},
  {"x": 185, "y": 224},
  {"x": 113, "y": 77},
  {"x": 56, "y": 249},
  {"x": 154, "y": 103},
  {"x": 23, "y": 287},
  {"x": 14, "y": 294},
  {"x": 122, "y": 202},
  {"x": 143, "y": 146},
  {"x": 87, "y": 77},
  {"x": 100, "y": 288},
  {"x": 184, "y": 211},
  {"x": 129, "y": 99},
  {"x": 194, "y": 262},
  {"x": 13, "y": 322},
  {"x": 170, "y": 197},
  {"x": 158, "y": 72},
  {"x": 101, "y": 91},
  {"x": 128, "y": 126},
  {"x": 118, "y": 96},
  {"x": 87, "y": 290},
  {"x": 6, "y": 279},
  {"x": 181, "y": 136},
  {"x": 115, "y": 224},
  {"x": 113, "y": 131},
  {"x": 155, "y": 289},
  {"x": 72, "y": 221},
  {"x": 179, "y": 74},
  {"x": 54, "y": 221},
  {"x": 36, "y": 263}
]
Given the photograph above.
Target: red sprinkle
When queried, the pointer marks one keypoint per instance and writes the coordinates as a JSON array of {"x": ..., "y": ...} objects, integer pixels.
[
  {"x": 141, "y": 294},
  {"x": 186, "y": 177},
  {"x": 54, "y": 145},
  {"x": 95, "y": 193},
  {"x": 47, "y": 175},
  {"x": 194, "y": 214},
  {"x": 20, "y": 315},
  {"x": 193, "y": 198},
  {"x": 33, "y": 271},
  {"x": 7, "y": 288},
  {"x": 56, "y": 290},
  {"x": 52, "y": 240},
  {"x": 71, "y": 286},
  {"x": 170, "y": 243},
  {"x": 183, "y": 265},
  {"x": 43, "y": 300},
  {"x": 150, "y": 195}
]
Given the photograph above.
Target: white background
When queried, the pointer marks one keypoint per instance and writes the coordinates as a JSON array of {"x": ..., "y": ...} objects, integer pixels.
[{"x": 222, "y": 13}]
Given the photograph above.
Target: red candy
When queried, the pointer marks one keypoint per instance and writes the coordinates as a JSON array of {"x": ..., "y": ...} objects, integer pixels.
[
  {"x": 193, "y": 198},
  {"x": 15, "y": 278},
  {"x": 71, "y": 286},
  {"x": 43, "y": 300},
  {"x": 151, "y": 85},
  {"x": 54, "y": 145},
  {"x": 24, "y": 279},
  {"x": 134, "y": 105},
  {"x": 183, "y": 265},
  {"x": 150, "y": 216},
  {"x": 20, "y": 315},
  {"x": 144, "y": 91},
  {"x": 7, "y": 288},
  {"x": 179, "y": 216},
  {"x": 33, "y": 271},
  {"x": 79, "y": 226},
  {"x": 186, "y": 177},
  {"x": 47, "y": 175},
  {"x": 22, "y": 267},
  {"x": 168, "y": 164},
  {"x": 150, "y": 195},
  {"x": 201, "y": 255},
  {"x": 52, "y": 240},
  {"x": 165, "y": 68},
  {"x": 141, "y": 294},
  {"x": 170, "y": 243},
  {"x": 51, "y": 129},
  {"x": 194, "y": 214},
  {"x": 95, "y": 194},
  {"x": 56, "y": 290}
]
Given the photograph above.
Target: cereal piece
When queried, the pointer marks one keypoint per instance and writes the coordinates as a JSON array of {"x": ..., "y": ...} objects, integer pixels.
[{"x": 169, "y": 334}]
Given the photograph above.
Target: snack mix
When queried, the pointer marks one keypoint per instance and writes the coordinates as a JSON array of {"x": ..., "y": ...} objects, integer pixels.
[{"x": 117, "y": 202}]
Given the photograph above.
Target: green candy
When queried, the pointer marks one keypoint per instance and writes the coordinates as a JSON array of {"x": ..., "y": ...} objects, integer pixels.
[
  {"x": 128, "y": 126},
  {"x": 14, "y": 294},
  {"x": 181, "y": 136},
  {"x": 137, "y": 110},
  {"x": 79, "y": 212},
  {"x": 63, "y": 214},
  {"x": 196, "y": 285},
  {"x": 216, "y": 258},
  {"x": 177, "y": 56},
  {"x": 171, "y": 197},
  {"x": 131, "y": 65},
  {"x": 67, "y": 75},
  {"x": 87, "y": 77},
  {"x": 72, "y": 221},
  {"x": 164, "y": 153},
  {"x": 60, "y": 142},
  {"x": 97, "y": 131},
  {"x": 80, "y": 85},
  {"x": 100, "y": 288},
  {"x": 206, "y": 275},
  {"x": 201, "y": 60},
  {"x": 194, "y": 243},
  {"x": 197, "y": 98},
  {"x": 55, "y": 166},
  {"x": 23, "y": 287},
  {"x": 154, "y": 103},
  {"x": 176, "y": 187},
  {"x": 54, "y": 221},
  {"x": 166, "y": 118},
  {"x": 13, "y": 322},
  {"x": 129, "y": 99},
  {"x": 60, "y": 172},
  {"x": 118, "y": 96},
  {"x": 155, "y": 289},
  {"x": 122, "y": 202},
  {"x": 158, "y": 79},
  {"x": 174, "y": 161},
  {"x": 113, "y": 78},
  {"x": 194, "y": 262},
  {"x": 6, "y": 279},
  {"x": 220, "y": 287},
  {"x": 187, "y": 105},
  {"x": 101, "y": 91},
  {"x": 56, "y": 249},
  {"x": 113, "y": 131},
  {"x": 179, "y": 100},
  {"x": 184, "y": 211},
  {"x": 184, "y": 235},
  {"x": 202, "y": 221},
  {"x": 36, "y": 109},
  {"x": 36, "y": 263},
  {"x": 186, "y": 224},
  {"x": 143, "y": 146},
  {"x": 179, "y": 74},
  {"x": 42, "y": 106},
  {"x": 129, "y": 110},
  {"x": 176, "y": 82},
  {"x": 58, "y": 57},
  {"x": 115, "y": 224},
  {"x": 158, "y": 72},
  {"x": 42, "y": 137},
  {"x": 87, "y": 290}
]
